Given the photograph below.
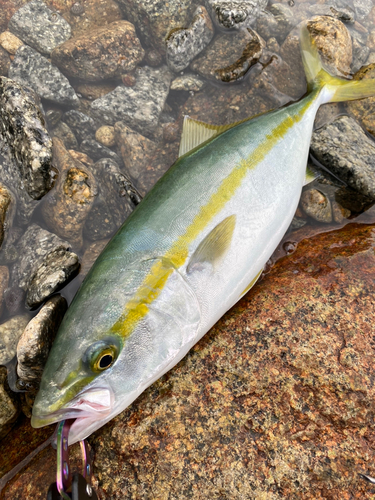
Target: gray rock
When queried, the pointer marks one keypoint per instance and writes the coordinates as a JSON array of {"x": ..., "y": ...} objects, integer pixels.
[
  {"x": 184, "y": 44},
  {"x": 39, "y": 27},
  {"x": 32, "y": 69},
  {"x": 57, "y": 267},
  {"x": 343, "y": 147},
  {"x": 33, "y": 247},
  {"x": 36, "y": 340},
  {"x": 278, "y": 22},
  {"x": 339, "y": 10},
  {"x": 113, "y": 204},
  {"x": 97, "y": 151},
  {"x": 235, "y": 13},
  {"x": 188, "y": 82},
  {"x": 139, "y": 106},
  {"x": 9, "y": 405},
  {"x": 317, "y": 205},
  {"x": 53, "y": 117},
  {"x": 82, "y": 125},
  {"x": 65, "y": 133},
  {"x": 4, "y": 280},
  {"x": 10, "y": 332},
  {"x": 5, "y": 201},
  {"x": 22, "y": 127},
  {"x": 14, "y": 299},
  {"x": 360, "y": 55},
  {"x": 4, "y": 62},
  {"x": 362, "y": 8}
]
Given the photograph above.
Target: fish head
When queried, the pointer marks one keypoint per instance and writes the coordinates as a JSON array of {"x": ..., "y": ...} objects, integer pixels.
[{"x": 113, "y": 344}]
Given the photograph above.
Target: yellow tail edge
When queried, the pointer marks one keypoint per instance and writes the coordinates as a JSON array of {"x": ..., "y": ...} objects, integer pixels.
[{"x": 336, "y": 89}]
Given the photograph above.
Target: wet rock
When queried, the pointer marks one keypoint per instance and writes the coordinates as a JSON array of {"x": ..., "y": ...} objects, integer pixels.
[
  {"x": 32, "y": 69},
  {"x": 39, "y": 27},
  {"x": 95, "y": 13},
  {"x": 106, "y": 136},
  {"x": 4, "y": 62},
  {"x": 37, "y": 338},
  {"x": 63, "y": 132},
  {"x": 82, "y": 157},
  {"x": 5, "y": 200},
  {"x": 65, "y": 210},
  {"x": 188, "y": 83},
  {"x": 4, "y": 280},
  {"x": 112, "y": 205},
  {"x": 10, "y": 332},
  {"x": 184, "y": 44},
  {"x": 10, "y": 42},
  {"x": 317, "y": 205},
  {"x": 229, "y": 57},
  {"x": 100, "y": 54},
  {"x": 82, "y": 125},
  {"x": 135, "y": 149},
  {"x": 352, "y": 200},
  {"x": 22, "y": 126},
  {"x": 339, "y": 10},
  {"x": 290, "y": 53},
  {"x": 139, "y": 106},
  {"x": 362, "y": 8},
  {"x": 339, "y": 213},
  {"x": 14, "y": 299},
  {"x": 91, "y": 254},
  {"x": 97, "y": 151},
  {"x": 153, "y": 58},
  {"x": 364, "y": 109},
  {"x": 94, "y": 91},
  {"x": 57, "y": 268},
  {"x": 283, "y": 381},
  {"x": 235, "y": 13},
  {"x": 53, "y": 116},
  {"x": 9, "y": 405},
  {"x": 35, "y": 244},
  {"x": 277, "y": 22},
  {"x": 334, "y": 43},
  {"x": 360, "y": 55},
  {"x": 155, "y": 20},
  {"x": 345, "y": 150}
]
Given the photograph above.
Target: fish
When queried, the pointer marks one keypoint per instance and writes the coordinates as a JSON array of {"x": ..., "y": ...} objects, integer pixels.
[{"x": 191, "y": 249}]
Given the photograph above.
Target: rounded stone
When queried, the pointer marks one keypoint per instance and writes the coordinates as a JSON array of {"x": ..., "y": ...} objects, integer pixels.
[
  {"x": 316, "y": 205},
  {"x": 106, "y": 136},
  {"x": 10, "y": 42}
]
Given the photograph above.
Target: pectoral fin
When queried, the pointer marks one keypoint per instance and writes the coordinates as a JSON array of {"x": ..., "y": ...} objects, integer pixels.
[{"x": 215, "y": 245}]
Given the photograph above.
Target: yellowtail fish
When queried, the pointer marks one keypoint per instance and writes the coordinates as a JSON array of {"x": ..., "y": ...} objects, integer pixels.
[{"x": 190, "y": 250}]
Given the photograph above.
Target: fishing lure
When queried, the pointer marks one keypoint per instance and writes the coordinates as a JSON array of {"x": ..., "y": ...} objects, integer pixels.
[{"x": 195, "y": 245}]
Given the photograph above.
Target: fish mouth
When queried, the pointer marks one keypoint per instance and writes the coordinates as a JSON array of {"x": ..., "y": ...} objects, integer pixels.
[{"x": 88, "y": 408}]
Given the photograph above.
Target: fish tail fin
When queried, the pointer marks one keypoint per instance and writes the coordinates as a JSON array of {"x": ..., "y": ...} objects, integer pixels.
[{"x": 335, "y": 89}]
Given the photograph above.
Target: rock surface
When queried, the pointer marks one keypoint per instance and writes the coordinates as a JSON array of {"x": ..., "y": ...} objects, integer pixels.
[
  {"x": 276, "y": 401},
  {"x": 184, "y": 44},
  {"x": 4, "y": 62},
  {"x": 106, "y": 136},
  {"x": 56, "y": 269},
  {"x": 4, "y": 280},
  {"x": 235, "y": 13},
  {"x": 22, "y": 127},
  {"x": 63, "y": 132},
  {"x": 317, "y": 205},
  {"x": 101, "y": 53},
  {"x": 344, "y": 149},
  {"x": 139, "y": 106},
  {"x": 10, "y": 332},
  {"x": 39, "y": 27},
  {"x": 364, "y": 109},
  {"x": 36, "y": 340},
  {"x": 5, "y": 200},
  {"x": 9, "y": 405},
  {"x": 10, "y": 42},
  {"x": 66, "y": 208},
  {"x": 32, "y": 69},
  {"x": 97, "y": 151}
]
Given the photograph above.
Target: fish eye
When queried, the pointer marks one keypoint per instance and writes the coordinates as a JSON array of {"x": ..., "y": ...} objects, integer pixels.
[{"x": 101, "y": 355}]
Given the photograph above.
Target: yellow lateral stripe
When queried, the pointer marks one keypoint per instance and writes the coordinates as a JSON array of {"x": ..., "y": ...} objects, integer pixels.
[{"x": 176, "y": 256}]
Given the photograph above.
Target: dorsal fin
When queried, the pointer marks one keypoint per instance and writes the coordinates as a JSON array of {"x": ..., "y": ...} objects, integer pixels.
[
  {"x": 215, "y": 245},
  {"x": 195, "y": 133}
]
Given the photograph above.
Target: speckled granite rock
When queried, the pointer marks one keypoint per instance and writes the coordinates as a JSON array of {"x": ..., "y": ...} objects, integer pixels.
[
  {"x": 188, "y": 82},
  {"x": 32, "y": 69},
  {"x": 154, "y": 19},
  {"x": 33, "y": 247},
  {"x": 139, "y": 106},
  {"x": 229, "y": 57},
  {"x": 334, "y": 43},
  {"x": 4, "y": 280},
  {"x": 9, "y": 405},
  {"x": 235, "y": 13},
  {"x": 39, "y": 27},
  {"x": 344, "y": 149},
  {"x": 112, "y": 205},
  {"x": 4, "y": 62},
  {"x": 135, "y": 149},
  {"x": 97, "y": 151},
  {"x": 63, "y": 132},
  {"x": 184, "y": 44},
  {"x": 82, "y": 125},
  {"x": 56, "y": 269},
  {"x": 101, "y": 53},
  {"x": 10, "y": 332},
  {"x": 22, "y": 127},
  {"x": 5, "y": 200},
  {"x": 37, "y": 338},
  {"x": 362, "y": 8},
  {"x": 65, "y": 210},
  {"x": 364, "y": 109}
]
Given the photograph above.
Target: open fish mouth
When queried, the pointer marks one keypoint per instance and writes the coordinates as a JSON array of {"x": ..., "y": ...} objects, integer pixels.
[{"x": 87, "y": 408}]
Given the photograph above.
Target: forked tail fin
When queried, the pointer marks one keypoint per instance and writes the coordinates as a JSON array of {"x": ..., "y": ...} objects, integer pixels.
[{"x": 335, "y": 89}]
